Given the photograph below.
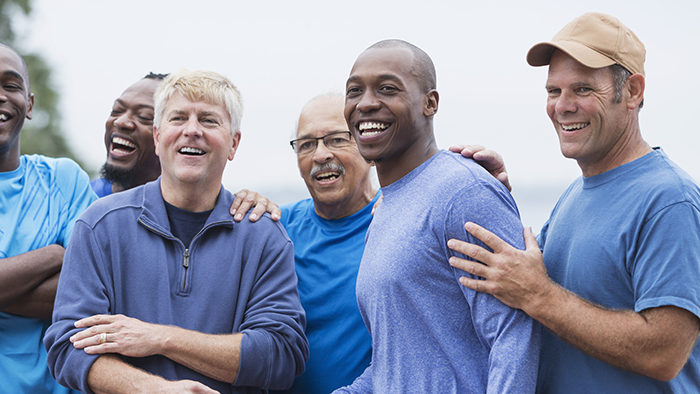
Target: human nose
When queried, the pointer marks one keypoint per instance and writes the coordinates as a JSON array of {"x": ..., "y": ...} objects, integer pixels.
[
  {"x": 192, "y": 128},
  {"x": 564, "y": 103},
  {"x": 123, "y": 121},
  {"x": 322, "y": 154},
  {"x": 368, "y": 102}
]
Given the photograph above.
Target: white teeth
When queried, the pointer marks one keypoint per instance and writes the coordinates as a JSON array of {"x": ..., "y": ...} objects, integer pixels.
[
  {"x": 372, "y": 125},
  {"x": 188, "y": 149},
  {"x": 122, "y": 141},
  {"x": 3, "y": 117},
  {"x": 572, "y": 127}
]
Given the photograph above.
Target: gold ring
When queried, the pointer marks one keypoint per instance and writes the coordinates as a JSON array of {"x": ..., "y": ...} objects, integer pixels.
[{"x": 103, "y": 338}]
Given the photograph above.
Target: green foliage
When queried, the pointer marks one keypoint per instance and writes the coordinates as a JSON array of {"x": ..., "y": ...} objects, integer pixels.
[{"x": 43, "y": 134}]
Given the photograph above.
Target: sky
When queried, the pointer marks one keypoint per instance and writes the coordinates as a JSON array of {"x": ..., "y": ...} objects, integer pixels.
[{"x": 282, "y": 53}]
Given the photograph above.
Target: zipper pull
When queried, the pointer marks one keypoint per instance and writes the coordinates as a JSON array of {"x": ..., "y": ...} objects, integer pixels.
[{"x": 186, "y": 258}]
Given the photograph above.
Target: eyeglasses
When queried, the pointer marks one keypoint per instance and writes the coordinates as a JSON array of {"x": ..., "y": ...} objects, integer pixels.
[{"x": 335, "y": 140}]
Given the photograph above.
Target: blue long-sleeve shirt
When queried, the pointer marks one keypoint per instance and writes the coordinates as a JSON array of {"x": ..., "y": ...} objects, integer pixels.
[{"x": 233, "y": 277}]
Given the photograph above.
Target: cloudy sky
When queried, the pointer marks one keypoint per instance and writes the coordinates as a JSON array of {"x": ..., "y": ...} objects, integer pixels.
[{"x": 282, "y": 53}]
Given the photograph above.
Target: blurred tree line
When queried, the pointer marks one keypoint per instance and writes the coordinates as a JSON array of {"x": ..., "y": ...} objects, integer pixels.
[{"x": 43, "y": 134}]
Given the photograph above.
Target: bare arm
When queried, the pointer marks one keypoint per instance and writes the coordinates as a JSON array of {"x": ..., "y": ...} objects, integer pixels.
[
  {"x": 110, "y": 375},
  {"x": 247, "y": 199},
  {"x": 216, "y": 356},
  {"x": 38, "y": 303},
  {"x": 489, "y": 159},
  {"x": 23, "y": 273},
  {"x": 655, "y": 342}
]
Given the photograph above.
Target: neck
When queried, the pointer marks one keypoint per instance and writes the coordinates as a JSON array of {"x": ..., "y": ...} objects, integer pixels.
[
  {"x": 393, "y": 169},
  {"x": 339, "y": 210},
  {"x": 191, "y": 198},
  {"x": 9, "y": 160},
  {"x": 629, "y": 148}
]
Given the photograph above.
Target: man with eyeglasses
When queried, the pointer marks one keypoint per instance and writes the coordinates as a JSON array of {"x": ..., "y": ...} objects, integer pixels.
[{"x": 328, "y": 232}]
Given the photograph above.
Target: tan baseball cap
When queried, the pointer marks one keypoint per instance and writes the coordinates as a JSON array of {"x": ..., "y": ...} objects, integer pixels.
[{"x": 595, "y": 40}]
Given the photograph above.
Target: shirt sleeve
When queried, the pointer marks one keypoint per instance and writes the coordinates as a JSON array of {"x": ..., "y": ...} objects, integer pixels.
[
  {"x": 274, "y": 348},
  {"x": 668, "y": 249},
  {"x": 81, "y": 293},
  {"x": 512, "y": 337},
  {"x": 74, "y": 185}
]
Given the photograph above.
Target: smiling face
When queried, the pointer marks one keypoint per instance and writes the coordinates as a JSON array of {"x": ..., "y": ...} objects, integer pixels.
[
  {"x": 338, "y": 179},
  {"x": 591, "y": 127},
  {"x": 194, "y": 142},
  {"x": 387, "y": 111},
  {"x": 16, "y": 104},
  {"x": 129, "y": 136}
]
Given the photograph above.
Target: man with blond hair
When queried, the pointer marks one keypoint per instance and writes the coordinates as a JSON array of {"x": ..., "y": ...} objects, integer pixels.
[{"x": 161, "y": 290}]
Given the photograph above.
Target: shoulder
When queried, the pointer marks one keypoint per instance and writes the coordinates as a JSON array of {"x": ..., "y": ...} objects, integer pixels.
[
  {"x": 292, "y": 213},
  {"x": 105, "y": 206}
]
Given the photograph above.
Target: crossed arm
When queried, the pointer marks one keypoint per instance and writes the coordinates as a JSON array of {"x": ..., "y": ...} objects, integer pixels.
[
  {"x": 28, "y": 282},
  {"x": 216, "y": 356},
  {"x": 655, "y": 342}
]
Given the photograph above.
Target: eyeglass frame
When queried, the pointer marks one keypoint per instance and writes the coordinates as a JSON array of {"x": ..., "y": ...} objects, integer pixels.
[{"x": 292, "y": 142}]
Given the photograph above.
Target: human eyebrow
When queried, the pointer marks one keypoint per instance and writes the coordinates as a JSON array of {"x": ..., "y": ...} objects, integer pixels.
[{"x": 15, "y": 75}]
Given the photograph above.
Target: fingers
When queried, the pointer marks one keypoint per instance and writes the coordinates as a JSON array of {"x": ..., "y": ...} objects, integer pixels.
[
  {"x": 377, "y": 204},
  {"x": 263, "y": 205},
  {"x": 246, "y": 199},
  {"x": 491, "y": 240},
  {"x": 530, "y": 239},
  {"x": 466, "y": 150}
]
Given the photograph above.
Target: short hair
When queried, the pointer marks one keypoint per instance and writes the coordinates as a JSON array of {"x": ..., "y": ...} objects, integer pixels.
[
  {"x": 334, "y": 94},
  {"x": 620, "y": 76},
  {"x": 152, "y": 75},
  {"x": 199, "y": 85},
  {"x": 423, "y": 67},
  {"x": 25, "y": 70}
]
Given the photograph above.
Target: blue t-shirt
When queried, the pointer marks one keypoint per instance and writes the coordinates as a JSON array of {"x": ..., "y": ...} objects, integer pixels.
[
  {"x": 628, "y": 238},
  {"x": 430, "y": 334},
  {"x": 40, "y": 202},
  {"x": 101, "y": 187},
  {"x": 327, "y": 255}
]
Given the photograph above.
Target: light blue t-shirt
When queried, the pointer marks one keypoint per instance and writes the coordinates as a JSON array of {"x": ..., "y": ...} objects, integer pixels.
[
  {"x": 628, "y": 238},
  {"x": 39, "y": 203},
  {"x": 327, "y": 255},
  {"x": 430, "y": 334}
]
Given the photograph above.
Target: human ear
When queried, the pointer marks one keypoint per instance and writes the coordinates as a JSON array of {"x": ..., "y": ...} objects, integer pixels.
[
  {"x": 432, "y": 99},
  {"x": 635, "y": 87}
]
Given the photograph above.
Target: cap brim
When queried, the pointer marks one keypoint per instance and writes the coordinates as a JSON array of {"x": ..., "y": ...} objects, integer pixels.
[{"x": 541, "y": 54}]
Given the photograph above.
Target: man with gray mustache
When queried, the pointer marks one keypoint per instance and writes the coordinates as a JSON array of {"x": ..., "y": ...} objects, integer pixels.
[{"x": 328, "y": 232}]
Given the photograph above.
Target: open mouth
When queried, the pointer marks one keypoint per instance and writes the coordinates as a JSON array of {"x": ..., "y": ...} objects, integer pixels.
[
  {"x": 122, "y": 146},
  {"x": 190, "y": 151},
  {"x": 327, "y": 172},
  {"x": 574, "y": 127},
  {"x": 368, "y": 129}
]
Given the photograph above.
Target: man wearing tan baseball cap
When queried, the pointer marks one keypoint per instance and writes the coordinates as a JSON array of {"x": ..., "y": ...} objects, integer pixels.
[{"x": 614, "y": 274}]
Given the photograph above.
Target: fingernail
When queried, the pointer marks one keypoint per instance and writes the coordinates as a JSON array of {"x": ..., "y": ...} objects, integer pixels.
[
  {"x": 450, "y": 243},
  {"x": 468, "y": 226},
  {"x": 233, "y": 212},
  {"x": 253, "y": 216},
  {"x": 238, "y": 216}
]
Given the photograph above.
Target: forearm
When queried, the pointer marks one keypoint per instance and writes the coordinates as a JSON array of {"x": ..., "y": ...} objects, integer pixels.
[
  {"x": 38, "y": 303},
  {"x": 215, "y": 356},
  {"x": 110, "y": 375},
  {"x": 654, "y": 343},
  {"x": 22, "y": 273}
]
